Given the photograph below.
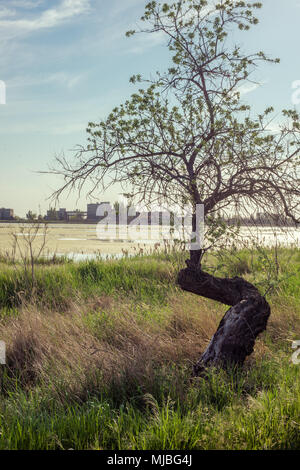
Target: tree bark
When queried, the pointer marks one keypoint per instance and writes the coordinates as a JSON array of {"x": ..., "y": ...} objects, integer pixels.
[{"x": 248, "y": 316}]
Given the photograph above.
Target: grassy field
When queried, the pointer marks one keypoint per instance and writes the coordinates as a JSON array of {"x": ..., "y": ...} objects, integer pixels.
[{"x": 99, "y": 356}]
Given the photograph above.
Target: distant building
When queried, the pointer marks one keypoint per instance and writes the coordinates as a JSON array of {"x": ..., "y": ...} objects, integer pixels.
[
  {"x": 265, "y": 218},
  {"x": 62, "y": 214},
  {"x": 53, "y": 214},
  {"x": 6, "y": 214},
  {"x": 156, "y": 218},
  {"x": 92, "y": 210}
]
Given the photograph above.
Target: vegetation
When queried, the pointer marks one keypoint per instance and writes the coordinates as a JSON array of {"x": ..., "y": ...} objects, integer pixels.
[
  {"x": 187, "y": 139},
  {"x": 99, "y": 357},
  {"x": 99, "y": 353}
]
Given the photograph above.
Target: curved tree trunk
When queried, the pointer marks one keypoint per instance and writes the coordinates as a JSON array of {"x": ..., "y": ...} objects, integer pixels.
[{"x": 248, "y": 316}]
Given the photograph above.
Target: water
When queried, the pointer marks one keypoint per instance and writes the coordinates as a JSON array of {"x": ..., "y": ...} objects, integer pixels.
[
  {"x": 81, "y": 241},
  {"x": 270, "y": 236},
  {"x": 87, "y": 256}
]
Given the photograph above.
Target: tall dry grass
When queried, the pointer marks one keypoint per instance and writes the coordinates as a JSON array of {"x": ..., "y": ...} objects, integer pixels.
[
  {"x": 105, "y": 345},
  {"x": 101, "y": 344}
]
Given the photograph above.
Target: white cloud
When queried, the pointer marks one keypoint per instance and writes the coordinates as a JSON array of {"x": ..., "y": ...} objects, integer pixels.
[
  {"x": 49, "y": 18},
  {"x": 146, "y": 41},
  {"x": 46, "y": 126},
  {"x": 249, "y": 87},
  {"x": 274, "y": 127},
  {"x": 123, "y": 5},
  {"x": 6, "y": 12},
  {"x": 60, "y": 78},
  {"x": 26, "y": 4},
  {"x": 70, "y": 81}
]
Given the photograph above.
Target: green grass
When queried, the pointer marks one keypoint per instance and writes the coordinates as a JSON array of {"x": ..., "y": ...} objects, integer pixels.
[
  {"x": 221, "y": 413},
  {"x": 54, "y": 285},
  {"x": 100, "y": 356}
]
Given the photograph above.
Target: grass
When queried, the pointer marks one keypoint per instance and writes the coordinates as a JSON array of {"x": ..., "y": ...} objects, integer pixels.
[
  {"x": 99, "y": 356},
  {"x": 55, "y": 285}
]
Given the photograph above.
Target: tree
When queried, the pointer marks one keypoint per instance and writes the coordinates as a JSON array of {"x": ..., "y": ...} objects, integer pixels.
[
  {"x": 52, "y": 214},
  {"x": 31, "y": 216},
  {"x": 186, "y": 137},
  {"x": 30, "y": 243},
  {"x": 77, "y": 215}
]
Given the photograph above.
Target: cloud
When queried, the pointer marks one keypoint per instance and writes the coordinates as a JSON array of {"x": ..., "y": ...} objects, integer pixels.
[
  {"x": 121, "y": 6},
  {"x": 274, "y": 127},
  {"x": 6, "y": 12},
  {"x": 249, "y": 87},
  {"x": 49, "y": 18},
  {"x": 49, "y": 126},
  {"x": 60, "y": 78},
  {"x": 26, "y": 4},
  {"x": 70, "y": 81},
  {"x": 146, "y": 41}
]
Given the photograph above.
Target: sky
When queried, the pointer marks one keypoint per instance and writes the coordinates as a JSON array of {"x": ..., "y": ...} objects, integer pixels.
[{"x": 67, "y": 62}]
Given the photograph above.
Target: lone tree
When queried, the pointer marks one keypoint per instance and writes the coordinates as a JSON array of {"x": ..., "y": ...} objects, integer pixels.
[{"x": 186, "y": 137}]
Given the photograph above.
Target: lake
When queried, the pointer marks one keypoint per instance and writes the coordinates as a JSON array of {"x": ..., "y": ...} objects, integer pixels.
[{"x": 85, "y": 241}]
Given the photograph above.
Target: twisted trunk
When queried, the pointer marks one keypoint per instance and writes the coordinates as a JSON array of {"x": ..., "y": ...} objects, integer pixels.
[{"x": 248, "y": 316}]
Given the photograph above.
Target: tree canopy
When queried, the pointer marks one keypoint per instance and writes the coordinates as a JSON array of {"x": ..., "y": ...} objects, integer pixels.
[{"x": 186, "y": 136}]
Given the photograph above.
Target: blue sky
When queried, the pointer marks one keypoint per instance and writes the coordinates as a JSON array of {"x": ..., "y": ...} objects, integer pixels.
[{"x": 67, "y": 62}]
